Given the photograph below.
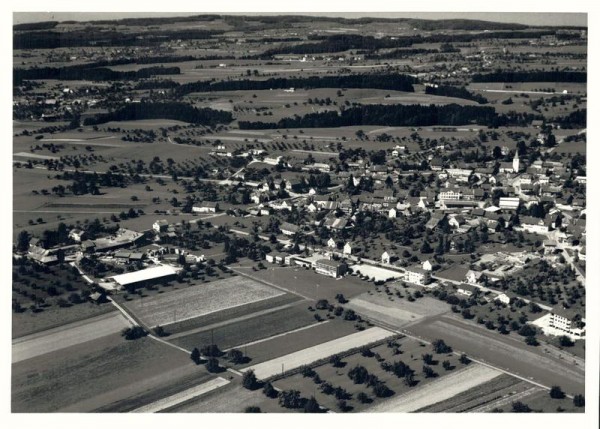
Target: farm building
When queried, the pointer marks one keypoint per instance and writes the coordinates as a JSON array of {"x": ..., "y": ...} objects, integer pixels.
[
  {"x": 330, "y": 268},
  {"x": 206, "y": 207},
  {"x": 147, "y": 275}
]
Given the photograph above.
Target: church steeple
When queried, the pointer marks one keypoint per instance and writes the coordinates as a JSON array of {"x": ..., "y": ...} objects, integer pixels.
[{"x": 516, "y": 162}]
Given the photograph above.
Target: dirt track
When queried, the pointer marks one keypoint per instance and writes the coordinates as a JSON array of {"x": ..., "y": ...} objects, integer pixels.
[
  {"x": 68, "y": 335},
  {"x": 439, "y": 390}
]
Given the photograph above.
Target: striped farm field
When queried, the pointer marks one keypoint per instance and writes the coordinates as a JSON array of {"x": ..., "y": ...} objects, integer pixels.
[
  {"x": 200, "y": 300},
  {"x": 312, "y": 354}
]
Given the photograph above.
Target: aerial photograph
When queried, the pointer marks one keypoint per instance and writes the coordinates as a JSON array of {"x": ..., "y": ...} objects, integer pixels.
[{"x": 298, "y": 213}]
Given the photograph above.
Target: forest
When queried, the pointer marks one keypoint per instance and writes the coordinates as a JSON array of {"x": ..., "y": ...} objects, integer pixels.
[{"x": 170, "y": 110}]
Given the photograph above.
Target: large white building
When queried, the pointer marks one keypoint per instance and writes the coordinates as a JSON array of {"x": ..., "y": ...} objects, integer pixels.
[{"x": 417, "y": 275}]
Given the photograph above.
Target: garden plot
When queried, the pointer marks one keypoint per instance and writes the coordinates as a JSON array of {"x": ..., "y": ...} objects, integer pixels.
[
  {"x": 200, "y": 300},
  {"x": 376, "y": 273},
  {"x": 321, "y": 351}
]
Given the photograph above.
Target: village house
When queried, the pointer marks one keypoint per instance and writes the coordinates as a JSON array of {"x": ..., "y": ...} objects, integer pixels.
[
  {"x": 288, "y": 229},
  {"x": 331, "y": 243},
  {"x": 388, "y": 257},
  {"x": 160, "y": 225},
  {"x": 466, "y": 289}
]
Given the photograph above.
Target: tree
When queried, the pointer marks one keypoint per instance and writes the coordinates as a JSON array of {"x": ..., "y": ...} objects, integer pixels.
[
  {"x": 447, "y": 365},
  {"x": 556, "y": 392},
  {"x": 531, "y": 341},
  {"x": 336, "y": 361},
  {"x": 235, "y": 356},
  {"x": 565, "y": 341},
  {"x": 579, "y": 401},
  {"x": 160, "y": 331},
  {"x": 520, "y": 407},
  {"x": 429, "y": 372},
  {"x": 134, "y": 333},
  {"x": 249, "y": 380},
  {"x": 363, "y": 398},
  {"x": 312, "y": 406},
  {"x": 195, "y": 356},
  {"x": 464, "y": 359},
  {"x": 382, "y": 391},
  {"x": 342, "y": 405},
  {"x": 290, "y": 399},
  {"x": 23, "y": 241},
  {"x": 252, "y": 409},
  {"x": 212, "y": 365},
  {"x": 427, "y": 358},
  {"x": 358, "y": 374},
  {"x": 440, "y": 347}
]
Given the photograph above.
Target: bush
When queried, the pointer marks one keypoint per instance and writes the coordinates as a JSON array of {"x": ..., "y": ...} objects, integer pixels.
[
  {"x": 195, "y": 356},
  {"x": 565, "y": 341}
]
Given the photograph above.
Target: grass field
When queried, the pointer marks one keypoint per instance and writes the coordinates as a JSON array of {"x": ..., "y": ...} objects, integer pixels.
[
  {"x": 231, "y": 333},
  {"x": 304, "y": 357},
  {"x": 308, "y": 283},
  {"x": 200, "y": 300},
  {"x": 68, "y": 335},
  {"x": 399, "y": 312},
  {"x": 96, "y": 374},
  {"x": 29, "y": 323}
]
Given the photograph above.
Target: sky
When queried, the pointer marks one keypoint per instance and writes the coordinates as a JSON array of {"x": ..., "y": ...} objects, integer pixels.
[{"x": 547, "y": 19}]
